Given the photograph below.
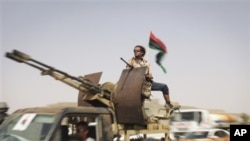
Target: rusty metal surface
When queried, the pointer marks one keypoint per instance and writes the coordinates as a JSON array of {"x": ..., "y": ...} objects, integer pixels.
[
  {"x": 128, "y": 103},
  {"x": 94, "y": 78}
]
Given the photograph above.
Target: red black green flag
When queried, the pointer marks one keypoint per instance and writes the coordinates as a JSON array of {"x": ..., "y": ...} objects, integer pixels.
[{"x": 157, "y": 44}]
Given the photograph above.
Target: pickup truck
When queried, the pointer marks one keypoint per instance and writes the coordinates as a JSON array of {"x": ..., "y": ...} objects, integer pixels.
[{"x": 58, "y": 124}]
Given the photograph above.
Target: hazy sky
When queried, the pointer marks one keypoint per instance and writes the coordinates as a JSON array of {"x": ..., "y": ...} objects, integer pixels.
[{"x": 207, "y": 40}]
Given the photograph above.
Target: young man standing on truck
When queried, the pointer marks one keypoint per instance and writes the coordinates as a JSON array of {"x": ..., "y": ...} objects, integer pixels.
[{"x": 139, "y": 61}]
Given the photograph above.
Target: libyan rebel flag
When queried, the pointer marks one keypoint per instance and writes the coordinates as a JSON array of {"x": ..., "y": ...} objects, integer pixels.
[{"x": 157, "y": 44}]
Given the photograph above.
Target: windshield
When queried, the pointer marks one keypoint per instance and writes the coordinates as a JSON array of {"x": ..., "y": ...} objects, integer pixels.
[
  {"x": 26, "y": 127},
  {"x": 187, "y": 116}
]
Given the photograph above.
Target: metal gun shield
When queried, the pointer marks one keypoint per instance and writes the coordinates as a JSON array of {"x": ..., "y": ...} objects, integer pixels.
[{"x": 128, "y": 98}]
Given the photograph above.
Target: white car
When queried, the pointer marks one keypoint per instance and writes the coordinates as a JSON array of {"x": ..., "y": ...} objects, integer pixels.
[{"x": 205, "y": 134}]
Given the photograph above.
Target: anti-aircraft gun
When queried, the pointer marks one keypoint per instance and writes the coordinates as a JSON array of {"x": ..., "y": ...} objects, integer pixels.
[
  {"x": 87, "y": 85},
  {"x": 124, "y": 99}
]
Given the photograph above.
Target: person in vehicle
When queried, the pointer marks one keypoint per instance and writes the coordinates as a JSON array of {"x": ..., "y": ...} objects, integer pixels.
[{"x": 82, "y": 131}]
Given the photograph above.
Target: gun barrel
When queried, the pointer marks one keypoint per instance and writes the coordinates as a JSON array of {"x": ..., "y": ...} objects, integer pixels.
[
  {"x": 76, "y": 82},
  {"x": 21, "y": 55},
  {"x": 13, "y": 57},
  {"x": 20, "y": 59}
]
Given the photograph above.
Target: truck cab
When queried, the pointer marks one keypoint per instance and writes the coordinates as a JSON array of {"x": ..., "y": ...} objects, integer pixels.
[{"x": 56, "y": 124}]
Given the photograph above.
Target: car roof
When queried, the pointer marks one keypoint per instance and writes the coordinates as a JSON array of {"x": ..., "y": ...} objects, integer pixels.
[{"x": 59, "y": 109}]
